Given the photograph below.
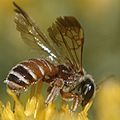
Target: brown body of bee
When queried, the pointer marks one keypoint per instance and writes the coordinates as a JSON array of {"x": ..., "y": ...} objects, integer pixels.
[
  {"x": 29, "y": 72},
  {"x": 65, "y": 47}
]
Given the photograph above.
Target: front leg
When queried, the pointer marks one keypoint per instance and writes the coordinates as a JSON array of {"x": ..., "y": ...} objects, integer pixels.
[
  {"x": 77, "y": 99},
  {"x": 56, "y": 86}
]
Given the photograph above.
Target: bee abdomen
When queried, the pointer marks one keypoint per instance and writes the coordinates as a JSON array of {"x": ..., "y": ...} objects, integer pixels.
[{"x": 28, "y": 72}]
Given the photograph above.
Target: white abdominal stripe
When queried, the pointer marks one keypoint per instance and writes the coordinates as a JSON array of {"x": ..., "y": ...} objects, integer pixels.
[
  {"x": 29, "y": 71},
  {"x": 25, "y": 73},
  {"x": 47, "y": 64},
  {"x": 39, "y": 67},
  {"x": 20, "y": 77},
  {"x": 41, "y": 70},
  {"x": 14, "y": 86}
]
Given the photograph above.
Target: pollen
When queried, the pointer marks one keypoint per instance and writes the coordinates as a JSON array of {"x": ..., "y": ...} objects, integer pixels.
[{"x": 35, "y": 109}]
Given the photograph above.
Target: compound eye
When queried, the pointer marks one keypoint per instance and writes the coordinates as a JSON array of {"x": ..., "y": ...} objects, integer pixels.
[{"x": 87, "y": 91}]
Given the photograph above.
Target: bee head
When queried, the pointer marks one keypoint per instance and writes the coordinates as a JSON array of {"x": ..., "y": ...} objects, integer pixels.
[{"x": 86, "y": 89}]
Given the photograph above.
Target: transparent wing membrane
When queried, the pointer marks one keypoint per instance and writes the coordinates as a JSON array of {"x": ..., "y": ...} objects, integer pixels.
[
  {"x": 31, "y": 34},
  {"x": 67, "y": 34},
  {"x": 66, "y": 43}
]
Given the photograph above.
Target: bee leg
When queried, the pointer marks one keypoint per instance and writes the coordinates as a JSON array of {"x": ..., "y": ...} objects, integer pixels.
[
  {"x": 76, "y": 102},
  {"x": 14, "y": 104},
  {"x": 57, "y": 85},
  {"x": 39, "y": 88},
  {"x": 71, "y": 97},
  {"x": 32, "y": 90}
]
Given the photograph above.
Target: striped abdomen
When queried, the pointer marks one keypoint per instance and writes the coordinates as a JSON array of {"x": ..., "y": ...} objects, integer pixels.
[{"x": 28, "y": 72}]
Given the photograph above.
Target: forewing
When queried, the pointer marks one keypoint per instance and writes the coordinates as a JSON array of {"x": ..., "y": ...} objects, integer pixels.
[
  {"x": 67, "y": 35},
  {"x": 31, "y": 34}
]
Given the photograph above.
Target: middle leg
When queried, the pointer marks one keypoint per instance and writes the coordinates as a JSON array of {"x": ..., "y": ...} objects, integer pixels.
[
  {"x": 68, "y": 96},
  {"x": 54, "y": 90}
]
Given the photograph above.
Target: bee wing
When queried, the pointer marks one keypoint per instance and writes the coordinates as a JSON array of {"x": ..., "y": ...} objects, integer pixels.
[
  {"x": 31, "y": 33},
  {"x": 67, "y": 34}
]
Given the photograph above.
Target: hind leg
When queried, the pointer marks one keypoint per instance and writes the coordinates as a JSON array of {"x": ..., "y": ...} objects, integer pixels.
[{"x": 14, "y": 104}]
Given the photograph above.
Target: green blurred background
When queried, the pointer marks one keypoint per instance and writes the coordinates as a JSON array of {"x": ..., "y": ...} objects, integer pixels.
[{"x": 100, "y": 20}]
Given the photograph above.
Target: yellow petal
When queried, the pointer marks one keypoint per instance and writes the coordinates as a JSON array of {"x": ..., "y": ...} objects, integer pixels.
[
  {"x": 108, "y": 101},
  {"x": 40, "y": 109},
  {"x": 30, "y": 106},
  {"x": 1, "y": 107},
  {"x": 7, "y": 113},
  {"x": 83, "y": 115},
  {"x": 19, "y": 108},
  {"x": 35, "y": 109},
  {"x": 49, "y": 111}
]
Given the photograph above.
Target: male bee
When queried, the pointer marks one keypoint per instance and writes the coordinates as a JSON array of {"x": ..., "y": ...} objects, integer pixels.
[{"x": 61, "y": 67}]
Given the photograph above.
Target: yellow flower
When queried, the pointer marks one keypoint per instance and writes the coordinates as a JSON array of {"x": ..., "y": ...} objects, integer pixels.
[
  {"x": 35, "y": 109},
  {"x": 108, "y": 101}
]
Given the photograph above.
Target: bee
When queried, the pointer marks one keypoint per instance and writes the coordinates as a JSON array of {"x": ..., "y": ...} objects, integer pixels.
[{"x": 61, "y": 68}]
